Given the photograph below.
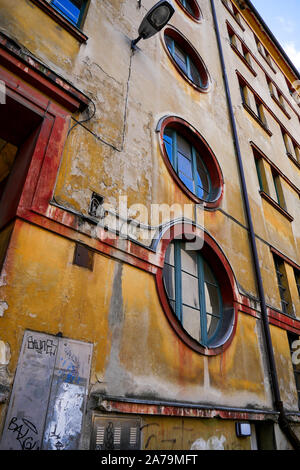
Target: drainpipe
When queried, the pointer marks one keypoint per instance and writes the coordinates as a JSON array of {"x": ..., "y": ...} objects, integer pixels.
[{"x": 283, "y": 420}]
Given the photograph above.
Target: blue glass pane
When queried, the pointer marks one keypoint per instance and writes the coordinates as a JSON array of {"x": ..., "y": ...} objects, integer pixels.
[
  {"x": 185, "y": 165},
  {"x": 68, "y": 8},
  {"x": 187, "y": 181},
  {"x": 169, "y": 145},
  {"x": 180, "y": 63}
]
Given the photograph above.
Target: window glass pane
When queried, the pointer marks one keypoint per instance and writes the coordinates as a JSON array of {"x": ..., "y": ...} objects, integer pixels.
[
  {"x": 190, "y": 290},
  {"x": 187, "y": 181},
  {"x": 212, "y": 299},
  {"x": 212, "y": 324},
  {"x": 202, "y": 175},
  {"x": 169, "y": 280},
  {"x": 191, "y": 322},
  {"x": 180, "y": 55},
  {"x": 169, "y": 43},
  {"x": 170, "y": 254},
  {"x": 201, "y": 193},
  {"x": 168, "y": 141},
  {"x": 189, "y": 261},
  {"x": 70, "y": 8},
  {"x": 208, "y": 275},
  {"x": 195, "y": 74},
  {"x": 184, "y": 147},
  {"x": 184, "y": 165}
]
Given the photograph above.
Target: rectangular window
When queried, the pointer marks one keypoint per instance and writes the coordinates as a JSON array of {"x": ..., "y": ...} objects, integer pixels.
[
  {"x": 260, "y": 174},
  {"x": 71, "y": 9},
  {"x": 244, "y": 93},
  {"x": 246, "y": 54},
  {"x": 259, "y": 110},
  {"x": 282, "y": 284},
  {"x": 278, "y": 189},
  {"x": 263, "y": 51}
]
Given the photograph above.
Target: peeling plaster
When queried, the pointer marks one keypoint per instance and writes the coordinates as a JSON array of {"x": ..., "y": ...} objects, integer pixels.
[{"x": 3, "y": 307}]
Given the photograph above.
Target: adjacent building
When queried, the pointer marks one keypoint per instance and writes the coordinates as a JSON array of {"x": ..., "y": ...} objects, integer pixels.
[{"x": 149, "y": 229}]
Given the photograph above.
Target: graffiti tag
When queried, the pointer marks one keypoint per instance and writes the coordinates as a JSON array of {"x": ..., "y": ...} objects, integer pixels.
[
  {"x": 42, "y": 346},
  {"x": 25, "y": 433}
]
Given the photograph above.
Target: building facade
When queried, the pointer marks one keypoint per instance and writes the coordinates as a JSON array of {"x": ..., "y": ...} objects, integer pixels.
[{"x": 149, "y": 229}]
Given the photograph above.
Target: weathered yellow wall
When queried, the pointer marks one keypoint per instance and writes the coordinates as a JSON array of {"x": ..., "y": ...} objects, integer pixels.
[
  {"x": 116, "y": 307},
  {"x": 197, "y": 434}
]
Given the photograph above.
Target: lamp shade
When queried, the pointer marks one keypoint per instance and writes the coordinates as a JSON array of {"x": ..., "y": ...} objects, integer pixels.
[{"x": 156, "y": 18}]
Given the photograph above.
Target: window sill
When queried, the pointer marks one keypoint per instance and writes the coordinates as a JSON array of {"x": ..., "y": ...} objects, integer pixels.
[
  {"x": 243, "y": 60},
  {"x": 276, "y": 205},
  {"x": 61, "y": 20},
  {"x": 233, "y": 16},
  {"x": 293, "y": 159},
  {"x": 260, "y": 122},
  {"x": 280, "y": 106}
]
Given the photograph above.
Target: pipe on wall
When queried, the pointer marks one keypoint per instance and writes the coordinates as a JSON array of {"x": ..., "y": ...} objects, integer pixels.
[{"x": 278, "y": 404}]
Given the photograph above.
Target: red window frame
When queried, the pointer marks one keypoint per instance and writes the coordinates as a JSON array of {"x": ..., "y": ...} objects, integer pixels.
[
  {"x": 218, "y": 261},
  {"x": 209, "y": 158}
]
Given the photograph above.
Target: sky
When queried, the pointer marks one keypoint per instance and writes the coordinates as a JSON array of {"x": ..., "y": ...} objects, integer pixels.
[{"x": 283, "y": 19}]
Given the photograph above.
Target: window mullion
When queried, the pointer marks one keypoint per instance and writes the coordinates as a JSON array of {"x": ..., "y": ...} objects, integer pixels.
[
  {"x": 188, "y": 67},
  {"x": 174, "y": 151},
  {"x": 178, "y": 282},
  {"x": 203, "y": 320},
  {"x": 194, "y": 170}
]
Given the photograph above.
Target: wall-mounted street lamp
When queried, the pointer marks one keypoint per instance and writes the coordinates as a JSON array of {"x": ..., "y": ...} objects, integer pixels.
[{"x": 156, "y": 18}]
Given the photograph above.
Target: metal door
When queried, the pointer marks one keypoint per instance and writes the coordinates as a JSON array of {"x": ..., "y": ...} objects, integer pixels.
[{"x": 49, "y": 394}]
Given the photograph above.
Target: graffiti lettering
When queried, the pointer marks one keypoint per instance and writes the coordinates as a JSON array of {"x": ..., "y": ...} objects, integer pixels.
[
  {"x": 25, "y": 433},
  {"x": 69, "y": 368},
  {"x": 47, "y": 347},
  {"x": 58, "y": 445}
]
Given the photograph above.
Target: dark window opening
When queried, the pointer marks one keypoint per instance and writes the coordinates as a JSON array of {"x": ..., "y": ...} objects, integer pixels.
[
  {"x": 19, "y": 130},
  {"x": 96, "y": 206},
  {"x": 265, "y": 436},
  {"x": 282, "y": 285}
]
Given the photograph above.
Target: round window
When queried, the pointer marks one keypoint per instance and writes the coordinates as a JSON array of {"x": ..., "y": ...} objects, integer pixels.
[
  {"x": 186, "y": 59},
  {"x": 198, "y": 291},
  {"x": 191, "y": 8},
  {"x": 191, "y": 161}
]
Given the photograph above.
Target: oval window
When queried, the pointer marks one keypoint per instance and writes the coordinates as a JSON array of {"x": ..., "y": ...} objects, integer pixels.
[
  {"x": 191, "y": 162},
  {"x": 190, "y": 7},
  {"x": 186, "y": 59},
  {"x": 197, "y": 290},
  {"x": 193, "y": 292}
]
